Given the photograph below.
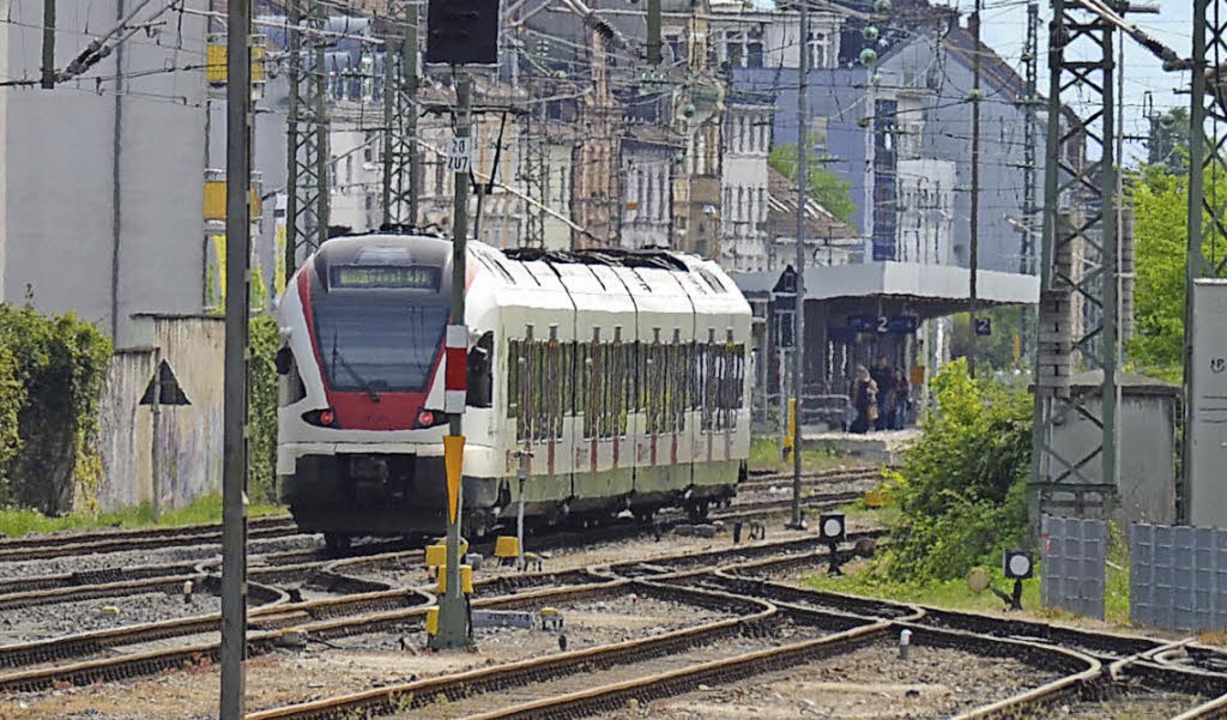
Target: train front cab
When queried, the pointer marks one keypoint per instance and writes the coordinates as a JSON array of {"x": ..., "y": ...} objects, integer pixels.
[{"x": 360, "y": 444}]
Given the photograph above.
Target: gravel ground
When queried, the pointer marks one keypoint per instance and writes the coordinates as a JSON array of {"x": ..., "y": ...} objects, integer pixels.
[
  {"x": 44, "y": 621},
  {"x": 867, "y": 682},
  {"x": 350, "y": 665},
  {"x": 723, "y": 649},
  {"x": 140, "y": 558},
  {"x": 1137, "y": 704}
]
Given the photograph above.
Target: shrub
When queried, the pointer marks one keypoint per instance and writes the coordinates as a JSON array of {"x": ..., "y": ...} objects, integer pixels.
[
  {"x": 262, "y": 411},
  {"x": 60, "y": 365},
  {"x": 962, "y": 491}
]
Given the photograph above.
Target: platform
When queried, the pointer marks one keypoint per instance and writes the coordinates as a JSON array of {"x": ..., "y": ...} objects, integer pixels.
[{"x": 887, "y": 446}]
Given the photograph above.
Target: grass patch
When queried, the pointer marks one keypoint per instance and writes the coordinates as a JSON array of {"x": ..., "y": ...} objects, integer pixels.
[
  {"x": 948, "y": 594},
  {"x": 857, "y": 511},
  {"x": 208, "y": 509},
  {"x": 765, "y": 455},
  {"x": 955, "y": 595}
]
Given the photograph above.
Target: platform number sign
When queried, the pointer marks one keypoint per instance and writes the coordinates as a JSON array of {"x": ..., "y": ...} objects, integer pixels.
[
  {"x": 460, "y": 155},
  {"x": 984, "y": 327}
]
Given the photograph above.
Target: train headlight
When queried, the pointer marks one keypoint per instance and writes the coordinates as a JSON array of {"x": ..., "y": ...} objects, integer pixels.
[
  {"x": 430, "y": 418},
  {"x": 321, "y": 418}
]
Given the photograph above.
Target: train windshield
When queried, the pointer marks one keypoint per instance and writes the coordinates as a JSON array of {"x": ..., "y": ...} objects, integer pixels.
[{"x": 377, "y": 342}]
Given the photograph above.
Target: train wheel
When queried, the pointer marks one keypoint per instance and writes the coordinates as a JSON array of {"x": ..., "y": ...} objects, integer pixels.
[
  {"x": 697, "y": 511},
  {"x": 336, "y": 544}
]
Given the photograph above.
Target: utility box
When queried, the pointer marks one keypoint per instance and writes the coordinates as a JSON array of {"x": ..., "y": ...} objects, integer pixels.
[
  {"x": 1146, "y": 442},
  {"x": 1207, "y": 501}
]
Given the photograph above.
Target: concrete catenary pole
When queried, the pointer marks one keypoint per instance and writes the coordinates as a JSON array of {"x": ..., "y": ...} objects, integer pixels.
[
  {"x": 798, "y": 372},
  {"x": 234, "y": 443}
]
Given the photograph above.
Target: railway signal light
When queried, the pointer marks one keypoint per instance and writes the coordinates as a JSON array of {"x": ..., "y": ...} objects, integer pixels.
[
  {"x": 831, "y": 528},
  {"x": 1018, "y": 565},
  {"x": 462, "y": 32}
]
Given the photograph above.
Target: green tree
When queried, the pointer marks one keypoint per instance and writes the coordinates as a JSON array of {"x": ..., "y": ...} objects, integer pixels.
[
  {"x": 1159, "y": 200},
  {"x": 831, "y": 191}
]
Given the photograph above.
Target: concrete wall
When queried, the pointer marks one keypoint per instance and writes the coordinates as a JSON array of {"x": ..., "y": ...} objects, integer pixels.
[
  {"x": 125, "y": 440},
  {"x": 189, "y": 437},
  {"x": 110, "y": 173}
]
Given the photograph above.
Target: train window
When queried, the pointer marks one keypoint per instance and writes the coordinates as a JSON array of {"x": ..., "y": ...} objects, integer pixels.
[
  {"x": 600, "y": 378},
  {"x": 678, "y": 374},
  {"x": 566, "y": 383},
  {"x": 618, "y": 391},
  {"x": 553, "y": 389},
  {"x": 515, "y": 377},
  {"x": 291, "y": 388},
  {"x": 541, "y": 393},
  {"x": 710, "y": 368},
  {"x": 480, "y": 378},
  {"x": 584, "y": 402},
  {"x": 592, "y": 375}
]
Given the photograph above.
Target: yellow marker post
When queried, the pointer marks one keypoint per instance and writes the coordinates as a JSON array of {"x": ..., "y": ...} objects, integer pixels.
[
  {"x": 453, "y": 459},
  {"x": 792, "y": 427}
]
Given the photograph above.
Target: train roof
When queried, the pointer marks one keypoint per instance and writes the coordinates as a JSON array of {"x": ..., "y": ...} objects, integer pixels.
[{"x": 514, "y": 265}]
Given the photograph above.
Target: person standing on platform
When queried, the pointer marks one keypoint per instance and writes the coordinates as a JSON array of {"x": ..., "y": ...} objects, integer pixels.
[
  {"x": 884, "y": 377},
  {"x": 903, "y": 400},
  {"x": 864, "y": 399}
]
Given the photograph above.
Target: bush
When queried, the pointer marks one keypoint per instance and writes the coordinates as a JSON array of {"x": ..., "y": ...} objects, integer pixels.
[
  {"x": 12, "y": 398},
  {"x": 59, "y": 365},
  {"x": 262, "y": 412},
  {"x": 962, "y": 491}
]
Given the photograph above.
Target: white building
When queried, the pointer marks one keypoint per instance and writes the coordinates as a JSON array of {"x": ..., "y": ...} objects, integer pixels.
[
  {"x": 747, "y": 141},
  {"x": 648, "y": 157},
  {"x": 926, "y": 218}
]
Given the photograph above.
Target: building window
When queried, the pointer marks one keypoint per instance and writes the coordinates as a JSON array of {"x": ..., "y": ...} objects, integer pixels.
[
  {"x": 819, "y": 49},
  {"x": 677, "y": 46}
]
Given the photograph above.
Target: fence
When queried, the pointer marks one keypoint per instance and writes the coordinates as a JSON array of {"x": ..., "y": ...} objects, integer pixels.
[
  {"x": 1178, "y": 577},
  {"x": 1072, "y": 571}
]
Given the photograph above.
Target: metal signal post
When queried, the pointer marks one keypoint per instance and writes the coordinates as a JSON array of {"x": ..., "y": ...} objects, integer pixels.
[{"x": 453, "y": 615}]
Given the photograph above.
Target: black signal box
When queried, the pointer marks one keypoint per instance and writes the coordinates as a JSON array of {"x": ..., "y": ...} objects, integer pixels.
[{"x": 462, "y": 32}]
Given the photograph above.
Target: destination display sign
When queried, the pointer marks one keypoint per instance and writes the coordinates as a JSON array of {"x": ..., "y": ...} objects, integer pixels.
[{"x": 399, "y": 277}]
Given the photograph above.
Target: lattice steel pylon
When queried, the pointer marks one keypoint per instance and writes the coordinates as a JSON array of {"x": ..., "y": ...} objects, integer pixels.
[
  {"x": 307, "y": 157},
  {"x": 1031, "y": 103},
  {"x": 1207, "y": 209},
  {"x": 400, "y": 113},
  {"x": 1081, "y": 65}
]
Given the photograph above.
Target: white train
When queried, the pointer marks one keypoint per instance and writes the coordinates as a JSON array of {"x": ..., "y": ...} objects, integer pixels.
[{"x": 624, "y": 373}]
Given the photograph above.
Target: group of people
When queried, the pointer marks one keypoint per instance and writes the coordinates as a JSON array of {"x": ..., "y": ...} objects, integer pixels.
[{"x": 879, "y": 398}]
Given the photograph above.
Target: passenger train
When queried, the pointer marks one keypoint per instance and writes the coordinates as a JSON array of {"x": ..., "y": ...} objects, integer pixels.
[{"x": 623, "y": 373}]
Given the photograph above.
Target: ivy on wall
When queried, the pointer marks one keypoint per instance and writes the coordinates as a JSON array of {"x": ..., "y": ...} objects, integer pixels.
[{"x": 52, "y": 370}]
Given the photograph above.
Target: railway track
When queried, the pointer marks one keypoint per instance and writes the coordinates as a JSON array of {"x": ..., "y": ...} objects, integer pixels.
[
  {"x": 77, "y": 658},
  {"x": 765, "y": 481},
  {"x": 668, "y": 666},
  {"x": 106, "y": 541},
  {"x": 314, "y": 568}
]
